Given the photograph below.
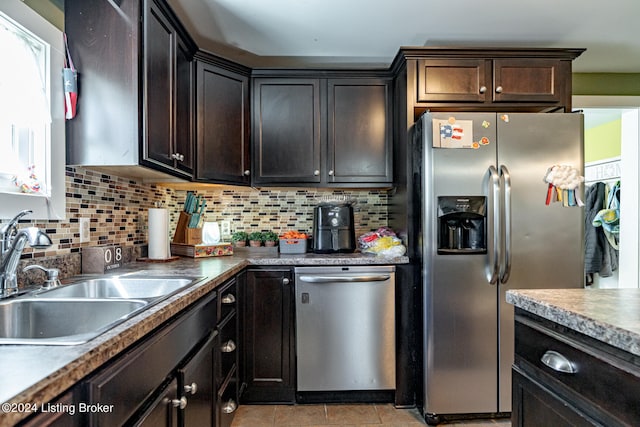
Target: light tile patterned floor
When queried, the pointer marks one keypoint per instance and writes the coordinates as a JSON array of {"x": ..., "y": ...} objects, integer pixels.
[{"x": 361, "y": 415}]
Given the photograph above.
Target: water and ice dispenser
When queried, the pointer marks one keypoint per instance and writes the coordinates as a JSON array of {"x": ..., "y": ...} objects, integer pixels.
[{"x": 462, "y": 225}]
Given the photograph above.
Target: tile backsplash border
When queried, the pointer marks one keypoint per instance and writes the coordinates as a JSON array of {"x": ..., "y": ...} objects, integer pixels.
[{"x": 117, "y": 208}]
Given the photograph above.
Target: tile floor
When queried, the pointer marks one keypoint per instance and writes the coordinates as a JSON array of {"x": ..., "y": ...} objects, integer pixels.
[{"x": 384, "y": 415}]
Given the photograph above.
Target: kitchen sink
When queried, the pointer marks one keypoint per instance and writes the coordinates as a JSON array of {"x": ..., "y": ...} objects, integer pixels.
[
  {"x": 132, "y": 287},
  {"x": 62, "y": 321}
]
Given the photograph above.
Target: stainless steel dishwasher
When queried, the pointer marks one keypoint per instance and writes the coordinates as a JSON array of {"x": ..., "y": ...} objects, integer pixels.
[{"x": 345, "y": 328}]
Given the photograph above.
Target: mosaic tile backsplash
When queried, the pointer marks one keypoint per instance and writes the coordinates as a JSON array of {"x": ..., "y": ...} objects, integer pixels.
[{"x": 117, "y": 208}]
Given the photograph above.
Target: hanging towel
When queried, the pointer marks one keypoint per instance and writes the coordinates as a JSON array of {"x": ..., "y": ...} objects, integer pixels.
[{"x": 600, "y": 257}]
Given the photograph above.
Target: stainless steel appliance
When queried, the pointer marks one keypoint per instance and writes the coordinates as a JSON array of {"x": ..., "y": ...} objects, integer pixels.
[
  {"x": 333, "y": 228},
  {"x": 484, "y": 228},
  {"x": 345, "y": 328}
]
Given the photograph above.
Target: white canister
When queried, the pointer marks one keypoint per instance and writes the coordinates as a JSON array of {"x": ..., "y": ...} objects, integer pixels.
[{"x": 210, "y": 233}]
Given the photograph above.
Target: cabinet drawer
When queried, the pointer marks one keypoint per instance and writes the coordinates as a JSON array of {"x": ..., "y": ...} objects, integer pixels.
[
  {"x": 228, "y": 300},
  {"x": 601, "y": 385},
  {"x": 131, "y": 380},
  {"x": 228, "y": 400},
  {"x": 228, "y": 347}
]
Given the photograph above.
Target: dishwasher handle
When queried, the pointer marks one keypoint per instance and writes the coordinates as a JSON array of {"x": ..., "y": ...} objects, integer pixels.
[{"x": 334, "y": 279}]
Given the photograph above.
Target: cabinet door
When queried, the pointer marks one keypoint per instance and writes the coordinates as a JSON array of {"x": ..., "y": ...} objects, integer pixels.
[
  {"x": 535, "y": 405},
  {"x": 184, "y": 159},
  {"x": 453, "y": 80},
  {"x": 196, "y": 385},
  {"x": 222, "y": 125},
  {"x": 163, "y": 412},
  {"x": 527, "y": 80},
  {"x": 268, "y": 337},
  {"x": 286, "y": 131},
  {"x": 159, "y": 68},
  {"x": 359, "y": 131}
]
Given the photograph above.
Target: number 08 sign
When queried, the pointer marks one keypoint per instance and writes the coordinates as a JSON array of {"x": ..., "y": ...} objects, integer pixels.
[{"x": 101, "y": 259}]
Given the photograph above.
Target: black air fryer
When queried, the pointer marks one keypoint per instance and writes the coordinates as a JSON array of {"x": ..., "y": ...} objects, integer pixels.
[{"x": 333, "y": 229}]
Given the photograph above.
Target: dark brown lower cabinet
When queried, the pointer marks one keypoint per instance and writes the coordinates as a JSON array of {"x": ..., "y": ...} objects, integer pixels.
[
  {"x": 268, "y": 336},
  {"x": 197, "y": 386},
  {"x": 184, "y": 374},
  {"x": 563, "y": 378}
]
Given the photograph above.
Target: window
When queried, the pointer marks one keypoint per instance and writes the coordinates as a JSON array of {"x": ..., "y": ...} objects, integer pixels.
[{"x": 31, "y": 114}]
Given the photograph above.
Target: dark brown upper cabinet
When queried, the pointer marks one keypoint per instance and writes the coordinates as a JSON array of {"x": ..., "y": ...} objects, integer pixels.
[
  {"x": 222, "y": 121},
  {"x": 491, "y": 81},
  {"x": 286, "y": 131},
  {"x": 168, "y": 101},
  {"x": 325, "y": 132},
  {"x": 359, "y": 123},
  {"x": 474, "y": 79},
  {"x": 135, "y": 104}
]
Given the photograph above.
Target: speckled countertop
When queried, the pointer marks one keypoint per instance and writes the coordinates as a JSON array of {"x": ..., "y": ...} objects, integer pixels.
[
  {"x": 37, "y": 374},
  {"x": 608, "y": 315}
]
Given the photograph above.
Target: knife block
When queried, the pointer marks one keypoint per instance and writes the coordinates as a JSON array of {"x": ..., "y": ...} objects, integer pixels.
[{"x": 184, "y": 234}]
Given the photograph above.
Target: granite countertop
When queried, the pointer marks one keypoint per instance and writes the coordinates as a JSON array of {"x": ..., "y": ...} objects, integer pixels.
[
  {"x": 608, "y": 315},
  {"x": 37, "y": 374}
]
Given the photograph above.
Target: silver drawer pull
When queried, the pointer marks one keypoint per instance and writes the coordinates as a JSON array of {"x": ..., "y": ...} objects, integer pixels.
[
  {"x": 229, "y": 407},
  {"x": 228, "y": 347},
  {"x": 228, "y": 299},
  {"x": 558, "y": 362},
  {"x": 192, "y": 388},
  {"x": 178, "y": 403}
]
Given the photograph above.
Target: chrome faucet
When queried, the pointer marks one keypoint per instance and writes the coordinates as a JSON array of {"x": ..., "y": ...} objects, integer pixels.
[{"x": 12, "y": 244}]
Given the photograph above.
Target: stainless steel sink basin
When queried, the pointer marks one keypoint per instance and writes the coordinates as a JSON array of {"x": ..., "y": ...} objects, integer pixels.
[
  {"x": 62, "y": 321},
  {"x": 133, "y": 287}
]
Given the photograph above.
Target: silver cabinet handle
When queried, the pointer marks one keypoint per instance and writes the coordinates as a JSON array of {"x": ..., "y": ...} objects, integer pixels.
[
  {"x": 316, "y": 172},
  {"x": 247, "y": 172},
  {"x": 228, "y": 347},
  {"x": 505, "y": 269},
  {"x": 331, "y": 172},
  {"x": 492, "y": 269},
  {"x": 558, "y": 362},
  {"x": 228, "y": 299},
  {"x": 229, "y": 407},
  {"x": 334, "y": 279},
  {"x": 499, "y": 89},
  {"x": 177, "y": 156},
  {"x": 286, "y": 281},
  {"x": 483, "y": 89},
  {"x": 179, "y": 403},
  {"x": 192, "y": 388}
]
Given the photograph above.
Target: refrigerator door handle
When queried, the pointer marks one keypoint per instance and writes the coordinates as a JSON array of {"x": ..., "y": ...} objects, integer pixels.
[
  {"x": 492, "y": 267},
  {"x": 505, "y": 267}
]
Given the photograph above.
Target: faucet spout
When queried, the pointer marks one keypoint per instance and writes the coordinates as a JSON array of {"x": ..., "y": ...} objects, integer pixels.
[{"x": 13, "y": 243}]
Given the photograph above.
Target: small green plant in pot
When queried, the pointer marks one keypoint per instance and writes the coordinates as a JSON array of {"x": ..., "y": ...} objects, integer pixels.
[
  {"x": 270, "y": 238},
  {"x": 256, "y": 238},
  {"x": 239, "y": 238}
]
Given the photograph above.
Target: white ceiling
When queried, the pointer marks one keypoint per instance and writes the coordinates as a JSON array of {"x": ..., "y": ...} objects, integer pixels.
[{"x": 368, "y": 33}]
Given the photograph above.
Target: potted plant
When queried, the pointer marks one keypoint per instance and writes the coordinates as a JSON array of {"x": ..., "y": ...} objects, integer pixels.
[
  {"x": 239, "y": 238},
  {"x": 270, "y": 238},
  {"x": 256, "y": 238}
]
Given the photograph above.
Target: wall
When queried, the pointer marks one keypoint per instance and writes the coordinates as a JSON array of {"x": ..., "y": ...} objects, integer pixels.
[
  {"x": 603, "y": 141},
  {"x": 626, "y": 84},
  {"x": 117, "y": 208}
]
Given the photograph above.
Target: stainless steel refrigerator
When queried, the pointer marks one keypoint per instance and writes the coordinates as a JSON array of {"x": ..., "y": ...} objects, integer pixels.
[{"x": 485, "y": 228}]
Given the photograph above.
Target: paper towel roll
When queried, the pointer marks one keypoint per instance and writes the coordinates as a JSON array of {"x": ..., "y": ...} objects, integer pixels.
[{"x": 158, "y": 234}]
